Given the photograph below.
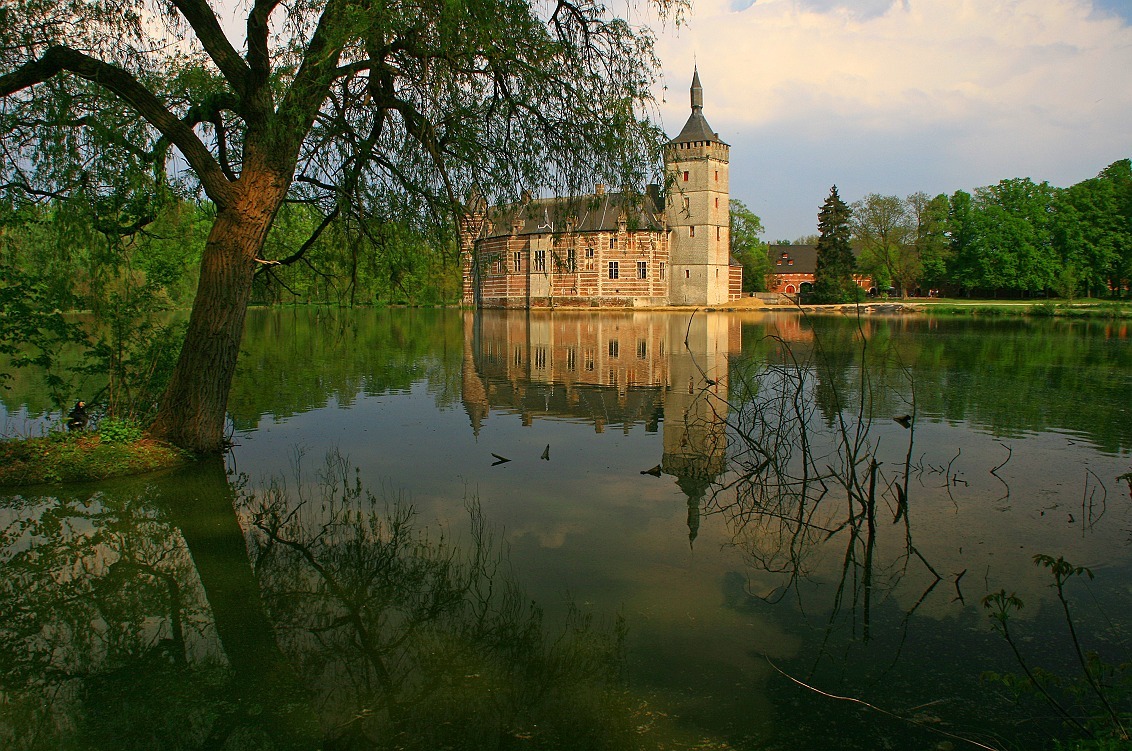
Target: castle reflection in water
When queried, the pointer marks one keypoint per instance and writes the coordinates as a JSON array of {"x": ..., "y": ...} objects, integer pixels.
[{"x": 665, "y": 371}]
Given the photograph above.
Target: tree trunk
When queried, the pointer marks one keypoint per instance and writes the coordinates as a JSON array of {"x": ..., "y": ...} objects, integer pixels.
[
  {"x": 194, "y": 406},
  {"x": 270, "y": 699}
]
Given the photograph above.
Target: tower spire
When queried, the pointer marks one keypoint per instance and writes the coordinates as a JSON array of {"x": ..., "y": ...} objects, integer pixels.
[{"x": 697, "y": 90}]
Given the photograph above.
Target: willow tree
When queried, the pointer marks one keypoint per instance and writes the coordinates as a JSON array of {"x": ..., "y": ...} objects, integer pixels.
[{"x": 365, "y": 108}]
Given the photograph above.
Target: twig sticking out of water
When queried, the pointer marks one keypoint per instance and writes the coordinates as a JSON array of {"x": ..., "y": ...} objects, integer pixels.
[
  {"x": 959, "y": 592},
  {"x": 1088, "y": 504},
  {"x": 875, "y": 708}
]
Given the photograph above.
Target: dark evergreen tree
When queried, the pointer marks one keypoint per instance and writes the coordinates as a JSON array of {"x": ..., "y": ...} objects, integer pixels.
[{"x": 833, "y": 277}]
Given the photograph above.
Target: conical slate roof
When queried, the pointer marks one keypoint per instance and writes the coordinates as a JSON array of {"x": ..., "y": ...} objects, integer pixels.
[{"x": 697, "y": 128}]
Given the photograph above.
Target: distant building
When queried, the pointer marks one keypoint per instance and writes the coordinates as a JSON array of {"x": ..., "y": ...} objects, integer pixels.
[
  {"x": 793, "y": 268},
  {"x": 613, "y": 249}
]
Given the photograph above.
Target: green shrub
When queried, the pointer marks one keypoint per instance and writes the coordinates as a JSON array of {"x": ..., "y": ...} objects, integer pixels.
[{"x": 119, "y": 431}]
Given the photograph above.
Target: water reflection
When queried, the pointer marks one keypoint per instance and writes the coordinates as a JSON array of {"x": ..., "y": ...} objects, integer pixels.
[
  {"x": 669, "y": 373},
  {"x": 848, "y": 549},
  {"x": 149, "y": 616}
]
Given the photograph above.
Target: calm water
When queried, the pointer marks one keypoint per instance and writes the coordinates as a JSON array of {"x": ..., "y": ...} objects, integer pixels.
[{"x": 615, "y": 530}]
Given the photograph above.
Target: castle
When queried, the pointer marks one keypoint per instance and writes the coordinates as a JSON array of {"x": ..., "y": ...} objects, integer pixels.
[{"x": 613, "y": 249}]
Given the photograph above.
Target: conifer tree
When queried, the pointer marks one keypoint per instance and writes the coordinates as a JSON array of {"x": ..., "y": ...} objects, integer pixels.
[{"x": 833, "y": 277}]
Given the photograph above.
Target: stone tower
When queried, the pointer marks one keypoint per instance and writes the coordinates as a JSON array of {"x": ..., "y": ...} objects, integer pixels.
[{"x": 696, "y": 164}]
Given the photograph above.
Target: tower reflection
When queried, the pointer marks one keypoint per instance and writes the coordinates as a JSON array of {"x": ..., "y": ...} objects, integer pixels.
[{"x": 665, "y": 371}]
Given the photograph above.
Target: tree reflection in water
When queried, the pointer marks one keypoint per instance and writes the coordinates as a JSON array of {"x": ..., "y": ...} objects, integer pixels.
[
  {"x": 806, "y": 469},
  {"x": 148, "y": 617}
]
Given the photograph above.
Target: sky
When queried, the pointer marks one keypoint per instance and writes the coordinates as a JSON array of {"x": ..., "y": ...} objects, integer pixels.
[{"x": 899, "y": 96}]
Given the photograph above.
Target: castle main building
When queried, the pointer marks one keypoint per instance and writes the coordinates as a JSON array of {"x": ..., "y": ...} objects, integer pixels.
[{"x": 610, "y": 249}]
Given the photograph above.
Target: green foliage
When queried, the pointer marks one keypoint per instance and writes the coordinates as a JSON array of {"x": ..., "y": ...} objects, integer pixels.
[
  {"x": 1002, "y": 239},
  {"x": 746, "y": 246},
  {"x": 126, "y": 284},
  {"x": 930, "y": 238},
  {"x": 833, "y": 278},
  {"x": 32, "y": 329},
  {"x": 64, "y": 457},
  {"x": 883, "y": 228},
  {"x": 1017, "y": 238},
  {"x": 1092, "y": 231},
  {"x": 112, "y": 430},
  {"x": 350, "y": 262}
]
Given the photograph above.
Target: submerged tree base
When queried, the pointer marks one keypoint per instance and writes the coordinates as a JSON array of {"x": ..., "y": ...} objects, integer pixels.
[{"x": 80, "y": 457}]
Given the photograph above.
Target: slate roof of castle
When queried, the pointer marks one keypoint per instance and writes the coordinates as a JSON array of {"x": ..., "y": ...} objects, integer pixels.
[{"x": 597, "y": 212}]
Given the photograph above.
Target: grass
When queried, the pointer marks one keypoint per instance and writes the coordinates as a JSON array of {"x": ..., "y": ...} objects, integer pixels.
[
  {"x": 1101, "y": 310},
  {"x": 82, "y": 456}
]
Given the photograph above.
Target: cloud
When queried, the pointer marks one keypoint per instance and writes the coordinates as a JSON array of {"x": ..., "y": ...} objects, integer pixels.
[{"x": 1009, "y": 86}]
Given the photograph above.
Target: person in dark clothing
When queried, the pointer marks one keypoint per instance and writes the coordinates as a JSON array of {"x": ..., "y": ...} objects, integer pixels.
[{"x": 77, "y": 418}]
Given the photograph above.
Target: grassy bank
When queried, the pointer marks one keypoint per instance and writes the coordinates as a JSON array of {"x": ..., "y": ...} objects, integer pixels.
[
  {"x": 1106, "y": 310},
  {"x": 82, "y": 456}
]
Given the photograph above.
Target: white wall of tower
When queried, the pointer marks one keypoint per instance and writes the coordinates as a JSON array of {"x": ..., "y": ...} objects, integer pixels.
[{"x": 698, "y": 213}]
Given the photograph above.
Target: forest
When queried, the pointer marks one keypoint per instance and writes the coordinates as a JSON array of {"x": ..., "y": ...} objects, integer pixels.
[{"x": 1017, "y": 238}]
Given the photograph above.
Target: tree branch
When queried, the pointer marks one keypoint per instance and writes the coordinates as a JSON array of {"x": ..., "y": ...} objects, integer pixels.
[
  {"x": 308, "y": 90},
  {"x": 126, "y": 87},
  {"x": 310, "y": 241},
  {"x": 203, "y": 21},
  {"x": 258, "y": 58}
]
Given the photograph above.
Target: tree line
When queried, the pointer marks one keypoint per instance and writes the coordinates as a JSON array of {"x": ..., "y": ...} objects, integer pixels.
[
  {"x": 1016, "y": 238},
  {"x": 64, "y": 249}
]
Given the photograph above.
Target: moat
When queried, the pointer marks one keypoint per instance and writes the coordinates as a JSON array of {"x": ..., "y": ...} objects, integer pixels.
[{"x": 707, "y": 509}]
